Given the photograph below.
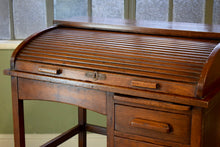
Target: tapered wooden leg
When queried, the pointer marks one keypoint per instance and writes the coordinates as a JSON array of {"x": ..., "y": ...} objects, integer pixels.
[
  {"x": 82, "y": 123},
  {"x": 18, "y": 115}
]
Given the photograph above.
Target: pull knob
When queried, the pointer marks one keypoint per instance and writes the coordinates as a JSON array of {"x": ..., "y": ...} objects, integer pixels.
[
  {"x": 50, "y": 70},
  {"x": 151, "y": 125},
  {"x": 142, "y": 84}
]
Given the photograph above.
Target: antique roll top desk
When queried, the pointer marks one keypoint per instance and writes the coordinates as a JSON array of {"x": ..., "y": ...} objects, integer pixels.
[{"x": 158, "y": 83}]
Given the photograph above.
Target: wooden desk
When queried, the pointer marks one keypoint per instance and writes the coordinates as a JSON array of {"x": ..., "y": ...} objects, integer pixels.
[{"x": 157, "y": 86}]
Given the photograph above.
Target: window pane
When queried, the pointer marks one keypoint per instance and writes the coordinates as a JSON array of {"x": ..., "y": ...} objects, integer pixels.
[
  {"x": 4, "y": 20},
  {"x": 66, "y": 9},
  {"x": 108, "y": 8},
  {"x": 29, "y": 17},
  {"x": 188, "y": 10},
  {"x": 216, "y": 12},
  {"x": 152, "y": 10}
]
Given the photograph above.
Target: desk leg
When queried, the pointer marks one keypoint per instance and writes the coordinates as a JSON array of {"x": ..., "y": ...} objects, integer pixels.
[
  {"x": 110, "y": 120},
  {"x": 18, "y": 115},
  {"x": 82, "y": 123}
]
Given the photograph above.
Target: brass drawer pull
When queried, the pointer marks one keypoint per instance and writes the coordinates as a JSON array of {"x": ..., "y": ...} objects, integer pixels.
[
  {"x": 142, "y": 84},
  {"x": 95, "y": 75},
  {"x": 150, "y": 125},
  {"x": 54, "y": 71}
]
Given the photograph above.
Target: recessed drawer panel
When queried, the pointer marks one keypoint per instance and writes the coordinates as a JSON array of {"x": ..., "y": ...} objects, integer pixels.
[
  {"x": 152, "y": 123},
  {"x": 107, "y": 78},
  {"x": 121, "y": 142}
]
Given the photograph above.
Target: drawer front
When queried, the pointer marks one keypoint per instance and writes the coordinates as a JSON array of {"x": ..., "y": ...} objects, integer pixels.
[
  {"x": 153, "y": 123},
  {"x": 109, "y": 78},
  {"x": 39, "y": 90},
  {"x": 121, "y": 142}
]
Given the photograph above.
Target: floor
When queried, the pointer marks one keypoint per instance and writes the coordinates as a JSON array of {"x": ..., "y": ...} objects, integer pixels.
[{"x": 35, "y": 140}]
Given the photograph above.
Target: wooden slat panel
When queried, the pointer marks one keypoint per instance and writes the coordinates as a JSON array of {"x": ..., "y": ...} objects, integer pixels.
[
  {"x": 159, "y": 57},
  {"x": 121, "y": 59},
  {"x": 145, "y": 49},
  {"x": 110, "y": 62},
  {"x": 132, "y": 38},
  {"x": 94, "y": 61},
  {"x": 133, "y": 55},
  {"x": 133, "y": 43}
]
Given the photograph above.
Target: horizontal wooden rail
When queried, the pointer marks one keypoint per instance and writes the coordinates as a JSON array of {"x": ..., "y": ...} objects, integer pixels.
[
  {"x": 63, "y": 137},
  {"x": 96, "y": 129}
]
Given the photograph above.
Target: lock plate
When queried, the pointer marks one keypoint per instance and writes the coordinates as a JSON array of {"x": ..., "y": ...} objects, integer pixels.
[{"x": 95, "y": 75}]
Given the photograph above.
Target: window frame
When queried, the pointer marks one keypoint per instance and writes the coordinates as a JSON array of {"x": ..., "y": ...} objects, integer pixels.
[{"x": 130, "y": 10}]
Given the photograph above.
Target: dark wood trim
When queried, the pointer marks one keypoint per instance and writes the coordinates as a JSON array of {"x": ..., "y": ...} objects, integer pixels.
[
  {"x": 210, "y": 71},
  {"x": 63, "y": 137},
  {"x": 196, "y": 127},
  {"x": 110, "y": 119},
  {"x": 177, "y": 29},
  {"x": 96, "y": 129},
  {"x": 82, "y": 123},
  {"x": 18, "y": 115},
  {"x": 164, "y": 143}
]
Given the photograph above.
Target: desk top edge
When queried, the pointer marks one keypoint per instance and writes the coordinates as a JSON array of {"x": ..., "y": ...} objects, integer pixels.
[{"x": 177, "y": 29}]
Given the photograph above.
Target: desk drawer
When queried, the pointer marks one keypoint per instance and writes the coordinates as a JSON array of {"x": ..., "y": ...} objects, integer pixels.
[
  {"x": 152, "y": 123},
  {"x": 40, "y": 90},
  {"x": 119, "y": 142}
]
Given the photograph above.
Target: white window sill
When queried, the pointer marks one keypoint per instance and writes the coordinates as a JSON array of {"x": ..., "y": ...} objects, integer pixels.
[{"x": 9, "y": 44}]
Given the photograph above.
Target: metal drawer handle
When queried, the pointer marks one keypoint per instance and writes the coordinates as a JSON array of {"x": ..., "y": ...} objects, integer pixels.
[
  {"x": 150, "y": 125},
  {"x": 95, "y": 75},
  {"x": 54, "y": 71},
  {"x": 142, "y": 84}
]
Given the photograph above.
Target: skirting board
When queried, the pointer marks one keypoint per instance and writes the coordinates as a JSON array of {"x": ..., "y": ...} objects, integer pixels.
[
  {"x": 9, "y": 44},
  {"x": 35, "y": 140}
]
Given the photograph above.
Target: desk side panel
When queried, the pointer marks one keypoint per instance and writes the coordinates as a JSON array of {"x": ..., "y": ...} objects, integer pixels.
[{"x": 211, "y": 133}]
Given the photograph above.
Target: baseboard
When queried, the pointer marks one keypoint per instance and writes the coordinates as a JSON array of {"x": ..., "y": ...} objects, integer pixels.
[
  {"x": 35, "y": 140},
  {"x": 9, "y": 44}
]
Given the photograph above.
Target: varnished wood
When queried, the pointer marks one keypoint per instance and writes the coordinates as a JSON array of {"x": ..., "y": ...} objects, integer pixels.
[
  {"x": 150, "y": 125},
  {"x": 110, "y": 120},
  {"x": 138, "y": 56},
  {"x": 96, "y": 129},
  {"x": 39, "y": 90},
  {"x": 142, "y": 84},
  {"x": 124, "y": 116},
  {"x": 82, "y": 123},
  {"x": 145, "y": 94},
  {"x": 210, "y": 74},
  {"x": 146, "y": 27},
  {"x": 132, "y": 143},
  {"x": 196, "y": 127},
  {"x": 157, "y": 84},
  {"x": 211, "y": 123},
  {"x": 18, "y": 115},
  {"x": 23, "y": 43},
  {"x": 111, "y": 79},
  {"x": 63, "y": 137},
  {"x": 145, "y": 139},
  {"x": 157, "y": 104}
]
